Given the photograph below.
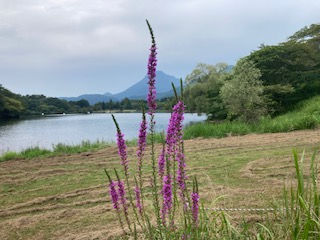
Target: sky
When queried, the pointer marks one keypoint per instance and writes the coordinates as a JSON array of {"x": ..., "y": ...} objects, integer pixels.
[{"x": 65, "y": 48}]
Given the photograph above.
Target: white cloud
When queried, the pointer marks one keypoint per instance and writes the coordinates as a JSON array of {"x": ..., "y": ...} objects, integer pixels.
[{"x": 107, "y": 35}]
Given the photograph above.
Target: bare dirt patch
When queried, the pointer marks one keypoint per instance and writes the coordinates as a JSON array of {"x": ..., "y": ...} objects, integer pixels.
[{"x": 66, "y": 197}]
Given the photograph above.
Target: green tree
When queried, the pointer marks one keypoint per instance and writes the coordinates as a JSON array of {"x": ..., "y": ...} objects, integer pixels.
[
  {"x": 103, "y": 106},
  {"x": 242, "y": 95},
  {"x": 57, "y": 105},
  {"x": 10, "y": 104},
  {"x": 110, "y": 105},
  {"x": 126, "y": 103},
  {"x": 203, "y": 87},
  {"x": 83, "y": 103},
  {"x": 291, "y": 70}
]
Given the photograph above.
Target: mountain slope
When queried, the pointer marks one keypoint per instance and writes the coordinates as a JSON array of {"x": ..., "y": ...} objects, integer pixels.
[
  {"x": 137, "y": 91},
  {"x": 140, "y": 89}
]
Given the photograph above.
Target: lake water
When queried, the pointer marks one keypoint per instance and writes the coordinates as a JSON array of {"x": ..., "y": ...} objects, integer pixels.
[{"x": 46, "y": 131}]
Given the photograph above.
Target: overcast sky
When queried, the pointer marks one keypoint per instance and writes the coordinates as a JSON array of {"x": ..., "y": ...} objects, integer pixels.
[{"x": 72, "y": 47}]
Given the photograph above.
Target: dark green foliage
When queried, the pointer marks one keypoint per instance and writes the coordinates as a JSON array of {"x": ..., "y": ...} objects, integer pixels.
[
  {"x": 82, "y": 103},
  {"x": 202, "y": 93},
  {"x": 242, "y": 95},
  {"x": 291, "y": 70},
  {"x": 10, "y": 104}
]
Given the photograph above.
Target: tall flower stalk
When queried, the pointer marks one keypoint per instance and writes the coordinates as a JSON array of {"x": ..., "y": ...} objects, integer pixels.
[
  {"x": 167, "y": 197},
  {"x": 138, "y": 194},
  {"x": 178, "y": 109},
  {"x": 168, "y": 174},
  {"x": 172, "y": 155},
  {"x": 115, "y": 200},
  {"x": 195, "y": 203},
  {"x": 142, "y": 143},
  {"x": 151, "y": 99},
  {"x": 152, "y": 64},
  {"x": 122, "y": 151},
  {"x": 161, "y": 162},
  {"x": 123, "y": 200}
]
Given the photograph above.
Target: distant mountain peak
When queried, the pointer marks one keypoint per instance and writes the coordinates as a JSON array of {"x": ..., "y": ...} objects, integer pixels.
[
  {"x": 136, "y": 91},
  {"x": 140, "y": 89}
]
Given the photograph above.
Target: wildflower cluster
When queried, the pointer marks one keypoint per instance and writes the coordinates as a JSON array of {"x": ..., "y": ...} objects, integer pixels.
[{"x": 165, "y": 180}]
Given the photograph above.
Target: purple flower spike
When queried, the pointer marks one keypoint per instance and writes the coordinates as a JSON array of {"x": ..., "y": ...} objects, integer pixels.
[
  {"x": 122, "y": 194},
  {"x": 114, "y": 195},
  {"x": 152, "y": 64},
  {"x": 122, "y": 148},
  {"x": 123, "y": 200},
  {"x": 174, "y": 130},
  {"x": 167, "y": 193},
  {"x": 142, "y": 142},
  {"x": 122, "y": 151},
  {"x": 195, "y": 207},
  {"x": 178, "y": 109},
  {"x": 138, "y": 199}
]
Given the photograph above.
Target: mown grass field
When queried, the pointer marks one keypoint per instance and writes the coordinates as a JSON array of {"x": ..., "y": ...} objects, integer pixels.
[{"x": 66, "y": 197}]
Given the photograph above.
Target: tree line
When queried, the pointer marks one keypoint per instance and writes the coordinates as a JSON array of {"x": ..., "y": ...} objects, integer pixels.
[
  {"x": 15, "y": 105},
  {"x": 268, "y": 82}
]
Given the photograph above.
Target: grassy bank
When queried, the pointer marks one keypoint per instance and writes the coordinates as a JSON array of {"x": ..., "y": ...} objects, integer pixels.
[
  {"x": 65, "y": 197},
  {"x": 57, "y": 150},
  {"x": 306, "y": 116},
  {"x": 63, "y": 149}
]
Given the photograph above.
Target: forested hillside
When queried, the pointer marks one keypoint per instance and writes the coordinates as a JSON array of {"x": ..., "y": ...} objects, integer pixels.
[
  {"x": 14, "y": 105},
  {"x": 270, "y": 81}
]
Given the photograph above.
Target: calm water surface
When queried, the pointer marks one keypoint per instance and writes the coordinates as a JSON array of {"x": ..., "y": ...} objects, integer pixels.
[{"x": 47, "y": 131}]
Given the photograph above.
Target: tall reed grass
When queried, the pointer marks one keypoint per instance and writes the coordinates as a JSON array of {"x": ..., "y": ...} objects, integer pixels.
[{"x": 301, "y": 218}]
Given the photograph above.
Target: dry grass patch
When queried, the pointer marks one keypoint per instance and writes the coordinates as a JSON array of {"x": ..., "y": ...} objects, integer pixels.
[{"x": 66, "y": 197}]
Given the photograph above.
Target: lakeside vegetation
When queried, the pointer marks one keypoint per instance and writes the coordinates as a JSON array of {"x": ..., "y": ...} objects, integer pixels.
[
  {"x": 15, "y": 105},
  {"x": 64, "y": 149},
  {"x": 305, "y": 116}
]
